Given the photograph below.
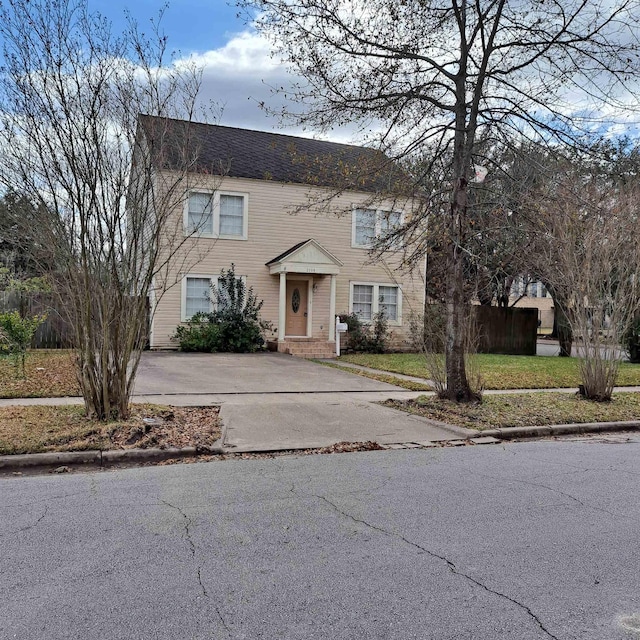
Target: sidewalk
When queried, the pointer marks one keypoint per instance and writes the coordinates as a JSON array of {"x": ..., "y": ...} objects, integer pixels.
[{"x": 275, "y": 420}]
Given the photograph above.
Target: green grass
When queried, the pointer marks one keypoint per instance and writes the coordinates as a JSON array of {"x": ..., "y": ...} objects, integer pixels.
[
  {"x": 500, "y": 372},
  {"x": 523, "y": 410}
]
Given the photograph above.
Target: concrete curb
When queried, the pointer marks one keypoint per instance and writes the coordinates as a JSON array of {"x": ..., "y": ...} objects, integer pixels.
[
  {"x": 102, "y": 458},
  {"x": 509, "y": 433},
  {"x": 123, "y": 456}
]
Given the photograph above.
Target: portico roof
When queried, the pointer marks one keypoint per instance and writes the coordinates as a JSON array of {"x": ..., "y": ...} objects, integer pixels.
[{"x": 308, "y": 256}]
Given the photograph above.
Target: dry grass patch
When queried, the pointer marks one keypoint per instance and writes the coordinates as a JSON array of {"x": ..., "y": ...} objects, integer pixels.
[
  {"x": 523, "y": 410},
  {"x": 37, "y": 429},
  {"x": 49, "y": 374}
]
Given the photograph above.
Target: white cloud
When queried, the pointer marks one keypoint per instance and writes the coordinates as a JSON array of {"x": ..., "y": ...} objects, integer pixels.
[
  {"x": 242, "y": 76},
  {"x": 247, "y": 53}
]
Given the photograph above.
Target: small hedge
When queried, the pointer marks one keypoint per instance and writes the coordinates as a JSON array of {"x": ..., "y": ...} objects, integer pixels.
[
  {"x": 363, "y": 338},
  {"x": 235, "y": 326}
]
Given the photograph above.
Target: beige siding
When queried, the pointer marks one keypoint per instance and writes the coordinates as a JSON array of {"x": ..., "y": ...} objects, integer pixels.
[
  {"x": 273, "y": 229},
  {"x": 543, "y": 305}
]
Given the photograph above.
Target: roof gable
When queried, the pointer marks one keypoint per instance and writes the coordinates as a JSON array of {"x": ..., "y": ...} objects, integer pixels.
[{"x": 308, "y": 256}]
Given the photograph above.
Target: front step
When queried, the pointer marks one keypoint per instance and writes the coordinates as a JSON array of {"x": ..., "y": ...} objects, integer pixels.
[{"x": 307, "y": 348}]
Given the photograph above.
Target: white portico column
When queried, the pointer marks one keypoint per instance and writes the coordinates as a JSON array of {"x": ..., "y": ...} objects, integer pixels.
[
  {"x": 332, "y": 309},
  {"x": 282, "y": 306}
]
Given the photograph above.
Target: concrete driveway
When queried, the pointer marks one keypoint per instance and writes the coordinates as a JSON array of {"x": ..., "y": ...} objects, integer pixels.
[
  {"x": 275, "y": 401},
  {"x": 230, "y": 373}
]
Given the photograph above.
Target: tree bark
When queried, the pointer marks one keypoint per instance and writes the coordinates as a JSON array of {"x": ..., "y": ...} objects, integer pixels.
[
  {"x": 565, "y": 334},
  {"x": 458, "y": 388}
]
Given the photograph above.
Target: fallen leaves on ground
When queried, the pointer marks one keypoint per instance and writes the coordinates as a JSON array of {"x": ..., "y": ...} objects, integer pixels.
[
  {"x": 339, "y": 447},
  {"x": 523, "y": 410},
  {"x": 38, "y": 429},
  {"x": 48, "y": 374}
]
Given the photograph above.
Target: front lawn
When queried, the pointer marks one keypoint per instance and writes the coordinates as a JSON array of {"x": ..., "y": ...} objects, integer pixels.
[
  {"x": 49, "y": 374},
  {"x": 38, "y": 429},
  {"x": 523, "y": 410},
  {"x": 500, "y": 372}
]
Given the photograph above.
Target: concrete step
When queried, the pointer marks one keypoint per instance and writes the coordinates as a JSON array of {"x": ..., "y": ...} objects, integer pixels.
[{"x": 306, "y": 347}]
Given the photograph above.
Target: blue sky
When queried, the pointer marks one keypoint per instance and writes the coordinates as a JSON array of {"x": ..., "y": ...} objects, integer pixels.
[{"x": 191, "y": 25}]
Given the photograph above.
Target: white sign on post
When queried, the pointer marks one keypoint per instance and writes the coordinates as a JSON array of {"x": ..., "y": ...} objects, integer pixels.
[{"x": 341, "y": 327}]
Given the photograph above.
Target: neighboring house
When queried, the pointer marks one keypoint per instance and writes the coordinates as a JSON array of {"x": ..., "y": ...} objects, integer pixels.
[
  {"x": 533, "y": 294},
  {"x": 264, "y": 202}
]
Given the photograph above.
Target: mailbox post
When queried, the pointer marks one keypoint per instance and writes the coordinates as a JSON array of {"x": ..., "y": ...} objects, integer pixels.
[{"x": 341, "y": 327}]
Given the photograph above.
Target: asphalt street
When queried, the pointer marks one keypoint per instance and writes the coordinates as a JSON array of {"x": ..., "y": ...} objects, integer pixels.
[{"x": 522, "y": 541}]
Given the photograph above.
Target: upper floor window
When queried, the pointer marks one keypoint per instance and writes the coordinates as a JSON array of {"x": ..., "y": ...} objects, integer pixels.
[
  {"x": 219, "y": 214},
  {"x": 200, "y": 213},
  {"x": 371, "y": 224}
]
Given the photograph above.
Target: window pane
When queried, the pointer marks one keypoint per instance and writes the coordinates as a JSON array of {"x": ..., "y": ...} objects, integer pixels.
[
  {"x": 388, "y": 302},
  {"x": 200, "y": 218},
  {"x": 390, "y": 220},
  {"x": 363, "y": 301},
  {"x": 365, "y": 226},
  {"x": 231, "y": 215},
  {"x": 198, "y": 297}
]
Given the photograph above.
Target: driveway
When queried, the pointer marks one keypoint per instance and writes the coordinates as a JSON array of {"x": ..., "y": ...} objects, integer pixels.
[
  {"x": 275, "y": 401},
  {"x": 230, "y": 373}
]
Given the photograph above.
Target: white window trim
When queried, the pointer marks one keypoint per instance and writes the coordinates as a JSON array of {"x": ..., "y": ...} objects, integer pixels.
[
  {"x": 183, "y": 304},
  {"x": 215, "y": 209},
  {"x": 213, "y": 281},
  {"x": 376, "y": 302},
  {"x": 380, "y": 213}
]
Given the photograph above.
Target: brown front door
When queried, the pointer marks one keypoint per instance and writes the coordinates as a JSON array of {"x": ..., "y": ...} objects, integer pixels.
[{"x": 297, "y": 311}]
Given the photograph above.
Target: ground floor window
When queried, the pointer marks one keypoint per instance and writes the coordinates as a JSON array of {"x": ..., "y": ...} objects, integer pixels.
[
  {"x": 367, "y": 299},
  {"x": 198, "y": 294}
]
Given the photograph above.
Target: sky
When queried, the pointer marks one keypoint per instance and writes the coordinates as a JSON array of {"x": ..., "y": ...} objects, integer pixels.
[
  {"x": 192, "y": 25},
  {"x": 238, "y": 69}
]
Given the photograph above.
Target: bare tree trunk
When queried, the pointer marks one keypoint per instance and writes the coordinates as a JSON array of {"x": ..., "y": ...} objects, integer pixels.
[
  {"x": 565, "y": 335},
  {"x": 458, "y": 388},
  {"x": 562, "y": 327}
]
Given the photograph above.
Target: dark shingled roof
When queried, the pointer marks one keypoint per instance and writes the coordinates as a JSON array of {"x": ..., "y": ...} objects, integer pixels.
[
  {"x": 287, "y": 252},
  {"x": 244, "y": 153}
]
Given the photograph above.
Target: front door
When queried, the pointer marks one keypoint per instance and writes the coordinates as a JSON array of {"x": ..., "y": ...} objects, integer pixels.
[{"x": 297, "y": 310}]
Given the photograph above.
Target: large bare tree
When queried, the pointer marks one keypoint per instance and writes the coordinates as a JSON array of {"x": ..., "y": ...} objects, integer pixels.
[
  {"x": 72, "y": 141},
  {"x": 584, "y": 219},
  {"x": 436, "y": 77}
]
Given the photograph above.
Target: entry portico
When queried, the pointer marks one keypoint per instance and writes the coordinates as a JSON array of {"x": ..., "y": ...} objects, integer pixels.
[{"x": 299, "y": 269}]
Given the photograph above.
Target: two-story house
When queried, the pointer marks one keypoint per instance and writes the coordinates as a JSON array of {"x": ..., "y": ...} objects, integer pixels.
[{"x": 270, "y": 204}]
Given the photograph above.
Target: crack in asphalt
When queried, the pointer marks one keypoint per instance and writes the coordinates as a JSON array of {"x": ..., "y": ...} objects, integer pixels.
[
  {"x": 29, "y": 526},
  {"x": 450, "y": 565},
  {"x": 38, "y": 521},
  {"x": 192, "y": 548},
  {"x": 47, "y": 500},
  {"x": 558, "y": 491},
  {"x": 582, "y": 468}
]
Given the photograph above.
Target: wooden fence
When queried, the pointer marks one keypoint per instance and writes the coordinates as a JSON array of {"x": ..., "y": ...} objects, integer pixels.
[
  {"x": 510, "y": 331},
  {"x": 53, "y": 333}
]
